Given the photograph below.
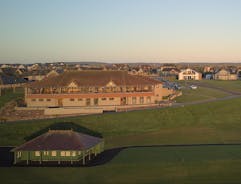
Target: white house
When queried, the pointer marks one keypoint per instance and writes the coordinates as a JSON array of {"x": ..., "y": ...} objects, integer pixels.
[{"x": 189, "y": 74}]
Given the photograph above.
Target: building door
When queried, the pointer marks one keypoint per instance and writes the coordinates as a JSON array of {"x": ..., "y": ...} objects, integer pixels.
[
  {"x": 60, "y": 102},
  {"x": 123, "y": 101}
]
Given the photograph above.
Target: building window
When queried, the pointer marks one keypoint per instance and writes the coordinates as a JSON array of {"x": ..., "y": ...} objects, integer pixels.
[
  {"x": 111, "y": 98},
  {"x": 19, "y": 154},
  {"x": 37, "y": 153},
  {"x": 133, "y": 100},
  {"x": 46, "y": 153},
  {"x": 33, "y": 100},
  {"x": 71, "y": 99},
  {"x": 80, "y": 99},
  {"x": 148, "y": 99},
  {"x": 141, "y": 100},
  {"x": 48, "y": 100},
  {"x": 96, "y": 101},
  {"x": 67, "y": 153},
  {"x": 62, "y": 153},
  {"x": 103, "y": 99},
  {"x": 53, "y": 153},
  {"x": 87, "y": 101},
  {"x": 41, "y": 100},
  {"x": 73, "y": 153}
]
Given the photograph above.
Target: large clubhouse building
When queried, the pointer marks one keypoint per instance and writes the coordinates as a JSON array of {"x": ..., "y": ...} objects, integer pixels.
[{"x": 95, "y": 89}]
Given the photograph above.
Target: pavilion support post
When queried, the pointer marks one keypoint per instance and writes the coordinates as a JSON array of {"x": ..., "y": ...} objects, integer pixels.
[
  {"x": 89, "y": 154},
  {"x": 40, "y": 161},
  {"x": 83, "y": 157},
  {"x": 95, "y": 152},
  {"x": 15, "y": 157},
  {"x": 27, "y": 157}
]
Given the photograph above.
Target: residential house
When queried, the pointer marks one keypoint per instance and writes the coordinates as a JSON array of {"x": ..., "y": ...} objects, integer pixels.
[
  {"x": 189, "y": 74},
  {"x": 226, "y": 74}
]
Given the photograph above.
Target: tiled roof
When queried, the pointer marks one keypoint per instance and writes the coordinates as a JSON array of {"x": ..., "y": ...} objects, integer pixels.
[
  {"x": 93, "y": 78},
  {"x": 60, "y": 140}
]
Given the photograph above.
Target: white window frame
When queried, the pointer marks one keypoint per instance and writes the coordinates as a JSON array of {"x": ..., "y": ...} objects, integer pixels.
[
  {"x": 53, "y": 153},
  {"x": 37, "y": 153},
  {"x": 19, "y": 154},
  {"x": 73, "y": 153},
  {"x": 67, "y": 153}
]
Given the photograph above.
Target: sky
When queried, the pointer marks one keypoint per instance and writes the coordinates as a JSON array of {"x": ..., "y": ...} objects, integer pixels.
[{"x": 120, "y": 30}]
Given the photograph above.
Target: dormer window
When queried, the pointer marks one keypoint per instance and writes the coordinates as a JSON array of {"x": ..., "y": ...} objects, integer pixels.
[
  {"x": 111, "y": 84},
  {"x": 73, "y": 84}
]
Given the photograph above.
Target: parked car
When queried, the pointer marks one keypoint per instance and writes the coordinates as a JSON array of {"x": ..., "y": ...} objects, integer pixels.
[{"x": 193, "y": 87}]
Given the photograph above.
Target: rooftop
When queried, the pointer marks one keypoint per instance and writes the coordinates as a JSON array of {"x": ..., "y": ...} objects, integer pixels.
[
  {"x": 93, "y": 78},
  {"x": 60, "y": 140}
]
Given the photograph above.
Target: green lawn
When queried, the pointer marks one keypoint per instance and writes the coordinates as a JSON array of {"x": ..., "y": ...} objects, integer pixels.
[
  {"x": 201, "y": 93},
  {"x": 8, "y": 95},
  {"x": 227, "y": 85},
  {"x": 207, "y": 164},
  {"x": 214, "y": 122}
]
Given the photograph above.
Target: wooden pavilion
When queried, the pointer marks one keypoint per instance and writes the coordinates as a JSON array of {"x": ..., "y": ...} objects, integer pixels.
[{"x": 59, "y": 146}]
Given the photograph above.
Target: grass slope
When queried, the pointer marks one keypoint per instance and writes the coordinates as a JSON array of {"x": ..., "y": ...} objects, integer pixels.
[
  {"x": 227, "y": 85},
  {"x": 215, "y": 122},
  {"x": 201, "y": 93}
]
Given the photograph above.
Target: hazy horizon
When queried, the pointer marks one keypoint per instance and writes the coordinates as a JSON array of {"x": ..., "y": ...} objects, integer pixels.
[{"x": 124, "y": 31}]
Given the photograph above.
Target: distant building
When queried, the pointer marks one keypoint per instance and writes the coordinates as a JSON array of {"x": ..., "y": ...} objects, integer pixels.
[
  {"x": 225, "y": 74},
  {"x": 5, "y": 66},
  {"x": 21, "y": 67},
  {"x": 59, "y": 146},
  {"x": 208, "y": 69},
  {"x": 10, "y": 79},
  {"x": 189, "y": 74},
  {"x": 209, "y": 76},
  {"x": 53, "y": 73},
  {"x": 37, "y": 77},
  {"x": 169, "y": 73}
]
